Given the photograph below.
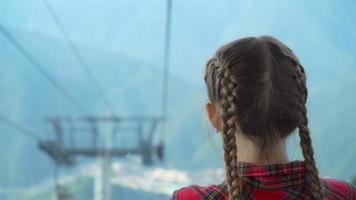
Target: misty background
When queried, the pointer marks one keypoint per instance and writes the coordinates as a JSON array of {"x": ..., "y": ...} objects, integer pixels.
[{"x": 122, "y": 43}]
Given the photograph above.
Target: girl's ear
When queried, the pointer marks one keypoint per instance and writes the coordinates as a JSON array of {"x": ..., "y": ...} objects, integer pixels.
[{"x": 213, "y": 115}]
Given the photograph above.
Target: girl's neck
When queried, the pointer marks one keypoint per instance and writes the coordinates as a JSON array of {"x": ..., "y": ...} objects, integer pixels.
[{"x": 248, "y": 151}]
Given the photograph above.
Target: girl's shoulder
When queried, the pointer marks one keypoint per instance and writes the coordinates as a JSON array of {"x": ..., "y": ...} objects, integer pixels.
[
  {"x": 334, "y": 190},
  {"x": 195, "y": 192},
  {"x": 338, "y": 189}
]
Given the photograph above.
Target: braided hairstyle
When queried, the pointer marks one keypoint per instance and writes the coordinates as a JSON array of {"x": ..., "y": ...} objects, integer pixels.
[{"x": 259, "y": 86}]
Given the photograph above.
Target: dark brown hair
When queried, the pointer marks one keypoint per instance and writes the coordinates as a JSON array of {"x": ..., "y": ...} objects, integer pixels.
[{"x": 260, "y": 87}]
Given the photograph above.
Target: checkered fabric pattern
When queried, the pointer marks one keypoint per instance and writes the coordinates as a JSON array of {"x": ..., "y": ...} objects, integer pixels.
[{"x": 270, "y": 182}]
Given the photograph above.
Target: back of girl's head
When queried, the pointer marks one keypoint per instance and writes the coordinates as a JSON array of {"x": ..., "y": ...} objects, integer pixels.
[{"x": 259, "y": 87}]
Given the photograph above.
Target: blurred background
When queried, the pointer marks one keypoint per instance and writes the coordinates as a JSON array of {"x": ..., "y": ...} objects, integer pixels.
[{"x": 105, "y": 99}]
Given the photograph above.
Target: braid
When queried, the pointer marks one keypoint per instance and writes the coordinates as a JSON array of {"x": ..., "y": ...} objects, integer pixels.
[
  {"x": 305, "y": 140},
  {"x": 229, "y": 118}
]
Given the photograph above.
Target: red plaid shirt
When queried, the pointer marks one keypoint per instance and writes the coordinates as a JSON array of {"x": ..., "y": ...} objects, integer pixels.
[{"x": 270, "y": 182}]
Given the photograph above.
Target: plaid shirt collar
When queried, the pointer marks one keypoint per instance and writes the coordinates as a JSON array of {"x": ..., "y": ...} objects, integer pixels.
[
  {"x": 272, "y": 176},
  {"x": 251, "y": 169}
]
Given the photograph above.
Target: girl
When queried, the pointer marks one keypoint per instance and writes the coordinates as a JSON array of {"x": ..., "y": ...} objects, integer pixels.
[{"x": 257, "y": 91}]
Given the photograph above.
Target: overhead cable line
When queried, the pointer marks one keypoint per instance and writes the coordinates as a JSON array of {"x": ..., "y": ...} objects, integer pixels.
[
  {"x": 78, "y": 56},
  {"x": 19, "y": 128},
  {"x": 30, "y": 58},
  {"x": 166, "y": 65}
]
